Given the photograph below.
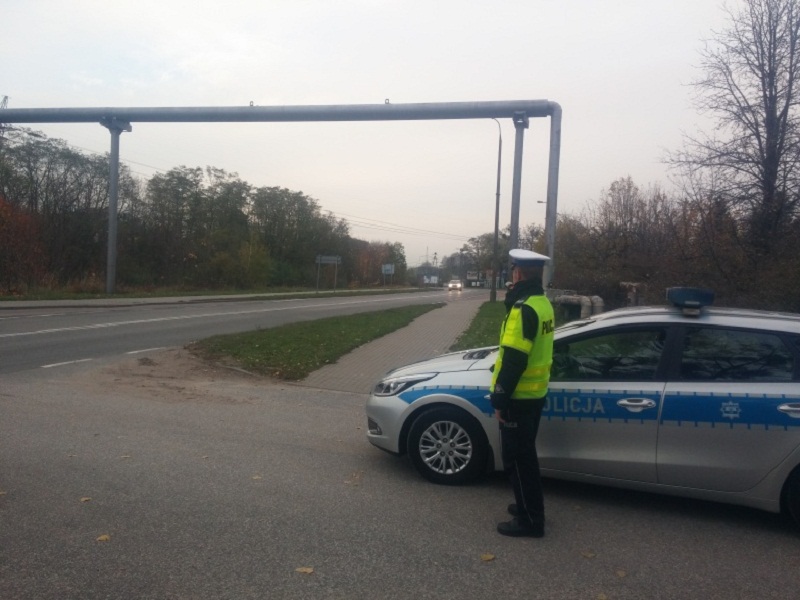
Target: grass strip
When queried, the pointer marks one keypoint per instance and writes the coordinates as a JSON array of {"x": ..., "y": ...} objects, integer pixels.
[
  {"x": 484, "y": 329},
  {"x": 293, "y": 351}
]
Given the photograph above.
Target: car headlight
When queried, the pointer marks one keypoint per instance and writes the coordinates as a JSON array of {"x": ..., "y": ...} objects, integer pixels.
[{"x": 394, "y": 385}]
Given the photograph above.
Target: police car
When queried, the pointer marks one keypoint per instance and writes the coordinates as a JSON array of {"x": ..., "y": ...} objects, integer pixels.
[{"x": 686, "y": 400}]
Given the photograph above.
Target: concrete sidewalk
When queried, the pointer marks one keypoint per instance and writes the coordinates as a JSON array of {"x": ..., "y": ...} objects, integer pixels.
[{"x": 427, "y": 336}]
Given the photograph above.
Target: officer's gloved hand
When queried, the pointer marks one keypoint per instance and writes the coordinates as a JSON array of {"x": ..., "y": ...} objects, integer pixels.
[{"x": 500, "y": 399}]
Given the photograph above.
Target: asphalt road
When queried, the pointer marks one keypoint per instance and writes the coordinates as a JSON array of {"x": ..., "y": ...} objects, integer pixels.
[
  {"x": 225, "y": 488},
  {"x": 210, "y": 484},
  {"x": 35, "y": 337}
]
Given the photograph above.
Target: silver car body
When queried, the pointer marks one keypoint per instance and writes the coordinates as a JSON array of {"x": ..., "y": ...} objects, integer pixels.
[{"x": 733, "y": 441}]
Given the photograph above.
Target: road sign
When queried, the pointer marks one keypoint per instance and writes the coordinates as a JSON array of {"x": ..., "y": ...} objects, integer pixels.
[{"x": 328, "y": 260}]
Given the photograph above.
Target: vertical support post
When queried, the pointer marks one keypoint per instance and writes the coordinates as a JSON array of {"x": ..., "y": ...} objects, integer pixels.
[
  {"x": 113, "y": 196},
  {"x": 552, "y": 195},
  {"x": 115, "y": 127},
  {"x": 495, "y": 258},
  {"x": 520, "y": 125}
]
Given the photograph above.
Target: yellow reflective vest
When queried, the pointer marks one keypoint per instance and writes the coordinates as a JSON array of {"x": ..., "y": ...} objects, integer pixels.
[{"x": 533, "y": 382}]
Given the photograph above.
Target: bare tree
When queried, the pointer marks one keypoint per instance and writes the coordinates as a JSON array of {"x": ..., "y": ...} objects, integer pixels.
[
  {"x": 624, "y": 236},
  {"x": 749, "y": 87}
]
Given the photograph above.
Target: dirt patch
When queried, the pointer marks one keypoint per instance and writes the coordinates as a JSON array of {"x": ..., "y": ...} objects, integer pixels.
[{"x": 178, "y": 375}]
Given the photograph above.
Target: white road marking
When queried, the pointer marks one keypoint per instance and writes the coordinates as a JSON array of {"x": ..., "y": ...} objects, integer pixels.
[
  {"x": 69, "y": 362},
  {"x": 145, "y": 350}
]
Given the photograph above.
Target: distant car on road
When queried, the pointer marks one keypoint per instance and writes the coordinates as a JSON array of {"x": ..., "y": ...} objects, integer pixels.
[
  {"x": 683, "y": 400},
  {"x": 455, "y": 284}
]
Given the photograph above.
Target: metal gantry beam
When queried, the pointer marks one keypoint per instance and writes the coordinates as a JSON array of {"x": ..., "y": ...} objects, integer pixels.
[
  {"x": 118, "y": 120},
  {"x": 231, "y": 114}
]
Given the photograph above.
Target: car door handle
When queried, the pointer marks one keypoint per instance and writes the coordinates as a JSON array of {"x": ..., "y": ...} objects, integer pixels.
[
  {"x": 636, "y": 405},
  {"x": 791, "y": 408}
]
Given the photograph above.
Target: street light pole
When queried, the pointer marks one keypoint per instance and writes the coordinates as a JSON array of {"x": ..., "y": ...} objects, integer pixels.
[{"x": 495, "y": 262}]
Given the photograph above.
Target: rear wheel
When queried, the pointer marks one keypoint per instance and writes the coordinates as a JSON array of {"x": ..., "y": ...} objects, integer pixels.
[{"x": 447, "y": 445}]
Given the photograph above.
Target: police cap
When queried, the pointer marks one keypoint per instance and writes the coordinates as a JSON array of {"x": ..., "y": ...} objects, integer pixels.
[{"x": 527, "y": 258}]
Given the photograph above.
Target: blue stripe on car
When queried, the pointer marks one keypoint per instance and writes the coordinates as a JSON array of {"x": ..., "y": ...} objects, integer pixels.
[
  {"x": 680, "y": 408},
  {"x": 753, "y": 410},
  {"x": 473, "y": 394},
  {"x": 597, "y": 405}
]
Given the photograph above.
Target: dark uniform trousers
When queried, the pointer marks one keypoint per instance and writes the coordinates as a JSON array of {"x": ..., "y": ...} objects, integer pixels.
[{"x": 520, "y": 461}]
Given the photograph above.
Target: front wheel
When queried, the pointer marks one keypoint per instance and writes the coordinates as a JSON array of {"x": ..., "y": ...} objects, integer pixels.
[{"x": 447, "y": 445}]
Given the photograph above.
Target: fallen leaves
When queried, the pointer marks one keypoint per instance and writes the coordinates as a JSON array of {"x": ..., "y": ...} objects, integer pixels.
[
  {"x": 86, "y": 499},
  {"x": 305, "y": 570},
  {"x": 104, "y": 538},
  {"x": 355, "y": 478},
  {"x": 487, "y": 557}
]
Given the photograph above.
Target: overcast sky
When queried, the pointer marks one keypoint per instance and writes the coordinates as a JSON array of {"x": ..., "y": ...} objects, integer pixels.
[{"x": 618, "y": 68}]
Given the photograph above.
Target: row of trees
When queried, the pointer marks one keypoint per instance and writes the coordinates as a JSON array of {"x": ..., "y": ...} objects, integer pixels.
[
  {"x": 645, "y": 241},
  {"x": 187, "y": 227},
  {"x": 652, "y": 241}
]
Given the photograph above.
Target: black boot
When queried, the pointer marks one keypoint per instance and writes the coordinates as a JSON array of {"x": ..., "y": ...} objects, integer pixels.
[{"x": 518, "y": 528}]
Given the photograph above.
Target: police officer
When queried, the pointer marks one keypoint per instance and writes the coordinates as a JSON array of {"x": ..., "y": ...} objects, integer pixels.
[{"x": 519, "y": 387}]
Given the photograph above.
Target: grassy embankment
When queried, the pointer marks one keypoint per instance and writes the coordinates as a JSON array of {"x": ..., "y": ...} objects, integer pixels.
[{"x": 293, "y": 351}]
